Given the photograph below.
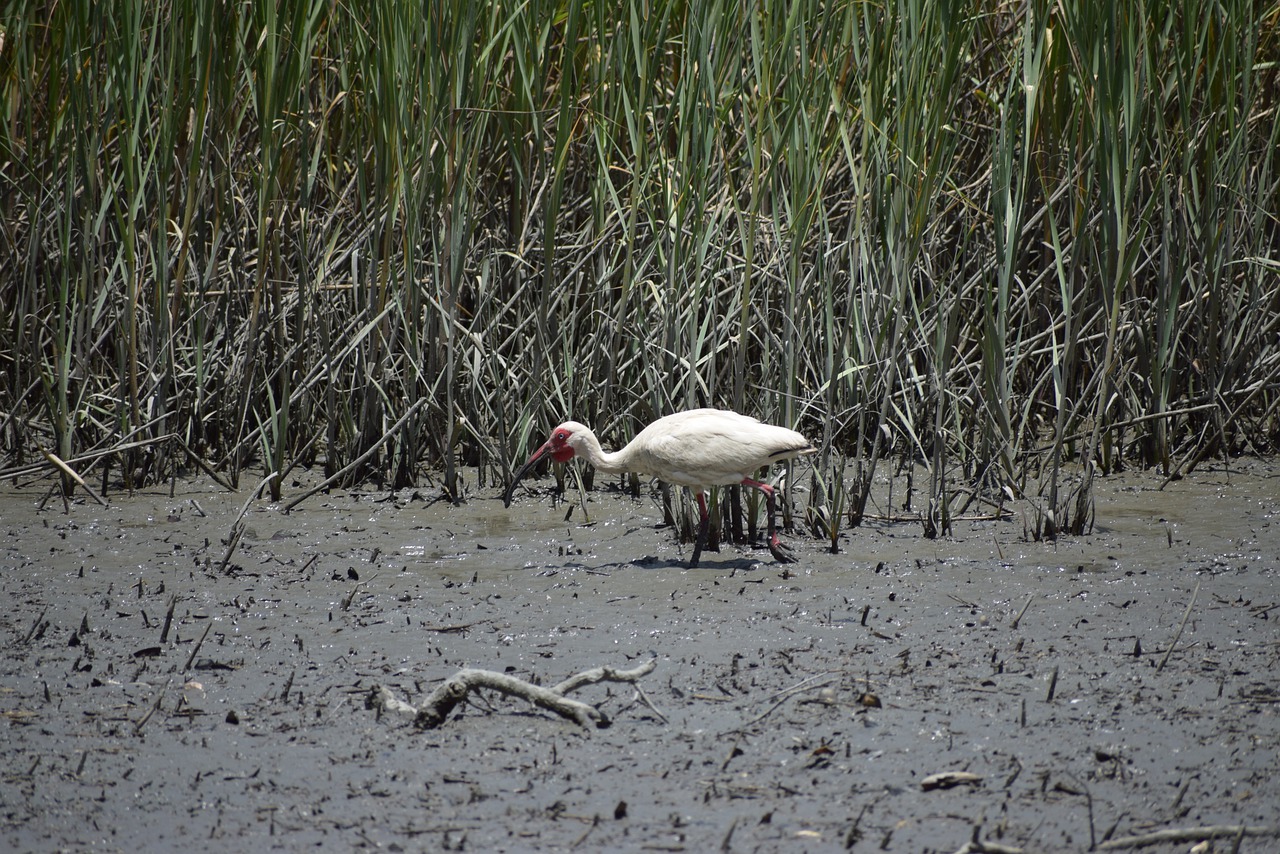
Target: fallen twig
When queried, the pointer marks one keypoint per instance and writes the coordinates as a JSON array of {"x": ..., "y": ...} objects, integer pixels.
[
  {"x": 433, "y": 712},
  {"x": 803, "y": 685},
  {"x": 595, "y": 822},
  {"x": 787, "y": 694},
  {"x": 456, "y": 627},
  {"x": 1188, "y": 834}
]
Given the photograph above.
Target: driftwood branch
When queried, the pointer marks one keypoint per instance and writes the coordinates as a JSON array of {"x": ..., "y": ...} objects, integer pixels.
[
  {"x": 439, "y": 703},
  {"x": 604, "y": 674},
  {"x": 437, "y": 706}
]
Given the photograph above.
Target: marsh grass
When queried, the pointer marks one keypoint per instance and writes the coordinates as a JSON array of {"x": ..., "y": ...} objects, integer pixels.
[{"x": 1020, "y": 245}]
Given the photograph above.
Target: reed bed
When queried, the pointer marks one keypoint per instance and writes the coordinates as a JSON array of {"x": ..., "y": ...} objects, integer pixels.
[{"x": 992, "y": 250}]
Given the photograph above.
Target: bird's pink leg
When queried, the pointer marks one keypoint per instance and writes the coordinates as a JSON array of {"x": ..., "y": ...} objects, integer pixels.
[
  {"x": 704, "y": 523},
  {"x": 776, "y": 548}
]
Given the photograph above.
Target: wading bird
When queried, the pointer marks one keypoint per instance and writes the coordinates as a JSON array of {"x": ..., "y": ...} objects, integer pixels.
[{"x": 699, "y": 449}]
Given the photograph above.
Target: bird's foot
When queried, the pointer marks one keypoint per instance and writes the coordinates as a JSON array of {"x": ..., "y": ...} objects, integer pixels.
[
  {"x": 781, "y": 552},
  {"x": 699, "y": 542},
  {"x": 703, "y": 524}
]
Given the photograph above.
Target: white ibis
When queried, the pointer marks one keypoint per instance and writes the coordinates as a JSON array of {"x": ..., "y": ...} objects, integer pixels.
[{"x": 700, "y": 448}]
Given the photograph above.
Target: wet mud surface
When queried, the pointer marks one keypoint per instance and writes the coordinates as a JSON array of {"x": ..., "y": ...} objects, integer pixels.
[{"x": 804, "y": 706}]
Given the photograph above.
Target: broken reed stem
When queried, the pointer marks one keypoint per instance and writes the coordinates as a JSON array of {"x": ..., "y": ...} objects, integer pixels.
[
  {"x": 1025, "y": 606},
  {"x": 350, "y": 597},
  {"x": 195, "y": 649},
  {"x": 733, "y": 751},
  {"x": 1182, "y": 625},
  {"x": 71, "y": 473},
  {"x": 236, "y": 531},
  {"x": 253, "y": 496},
  {"x": 204, "y": 467},
  {"x": 1053, "y": 686},
  {"x": 36, "y": 625},
  {"x": 168, "y": 618},
  {"x": 728, "y": 835},
  {"x": 80, "y": 459},
  {"x": 137, "y": 728},
  {"x": 237, "y": 527}
]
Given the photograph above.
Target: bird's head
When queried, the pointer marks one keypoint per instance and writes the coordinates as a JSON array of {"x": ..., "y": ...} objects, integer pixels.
[{"x": 566, "y": 441}]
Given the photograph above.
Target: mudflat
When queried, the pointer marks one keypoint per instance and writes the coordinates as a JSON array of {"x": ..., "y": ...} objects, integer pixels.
[{"x": 167, "y": 686}]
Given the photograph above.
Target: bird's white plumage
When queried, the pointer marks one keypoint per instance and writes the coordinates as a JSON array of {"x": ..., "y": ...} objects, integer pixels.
[
  {"x": 709, "y": 447},
  {"x": 699, "y": 448}
]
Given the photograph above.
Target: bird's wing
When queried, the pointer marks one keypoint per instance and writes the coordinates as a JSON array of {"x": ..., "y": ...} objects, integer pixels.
[{"x": 711, "y": 447}]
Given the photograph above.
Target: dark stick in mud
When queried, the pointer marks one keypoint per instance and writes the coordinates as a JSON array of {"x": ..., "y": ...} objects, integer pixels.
[
  {"x": 137, "y": 728},
  {"x": 168, "y": 619},
  {"x": 34, "y": 626},
  {"x": 195, "y": 649}
]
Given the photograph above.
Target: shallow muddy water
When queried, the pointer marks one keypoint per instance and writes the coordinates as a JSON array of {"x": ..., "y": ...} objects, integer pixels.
[{"x": 1034, "y": 666}]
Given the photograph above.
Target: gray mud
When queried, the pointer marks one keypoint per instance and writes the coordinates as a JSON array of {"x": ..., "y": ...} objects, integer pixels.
[{"x": 246, "y": 728}]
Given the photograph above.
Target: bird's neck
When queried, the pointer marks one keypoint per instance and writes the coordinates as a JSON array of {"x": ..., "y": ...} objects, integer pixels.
[{"x": 604, "y": 461}]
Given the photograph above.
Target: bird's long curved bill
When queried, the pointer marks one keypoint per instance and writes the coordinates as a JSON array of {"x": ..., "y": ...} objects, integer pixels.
[{"x": 521, "y": 472}]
